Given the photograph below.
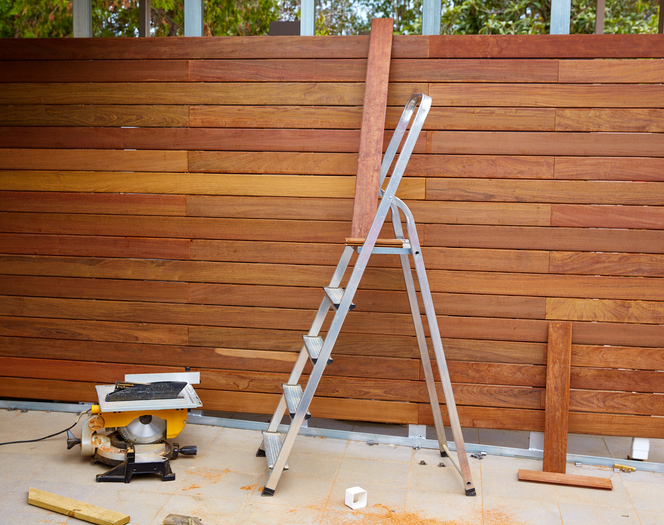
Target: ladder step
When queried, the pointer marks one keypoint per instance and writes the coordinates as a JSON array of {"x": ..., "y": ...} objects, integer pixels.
[
  {"x": 314, "y": 346},
  {"x": 272, "y": 442},
  {"x": 293, "y": 395},
  {"x": 335, "y": 295}
]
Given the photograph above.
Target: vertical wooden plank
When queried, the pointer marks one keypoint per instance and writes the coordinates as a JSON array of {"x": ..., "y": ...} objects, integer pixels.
[
  {"x": 558, "y": 367},
  {"x": 373, "y": 124}
]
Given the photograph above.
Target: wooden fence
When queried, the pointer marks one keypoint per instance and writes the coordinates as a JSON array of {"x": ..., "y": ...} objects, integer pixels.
[{"x": 180, "y": 202}]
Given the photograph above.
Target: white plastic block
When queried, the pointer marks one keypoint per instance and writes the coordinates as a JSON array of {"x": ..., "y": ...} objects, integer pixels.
[
  {"x": 640, "y": 448},
  {"x": 417, "y": 431},
  {"x": 356, "y": 498}
]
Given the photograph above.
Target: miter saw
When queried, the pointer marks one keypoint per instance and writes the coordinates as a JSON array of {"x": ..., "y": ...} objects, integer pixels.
[{"x": 128, "y": 428}]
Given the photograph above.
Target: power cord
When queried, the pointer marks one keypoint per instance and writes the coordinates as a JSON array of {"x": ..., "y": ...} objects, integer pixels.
[{"x": 52, "y": 435}]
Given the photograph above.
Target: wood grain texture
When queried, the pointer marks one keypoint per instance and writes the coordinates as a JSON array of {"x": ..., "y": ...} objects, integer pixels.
[
  {"x": 113, "y": 203},
  {"x": 266, "y": 208},
  {"x": 97, "y": 160},
  {"x": 637, "y": 71},
  {"x": 94, "y": 71},
  {"x": 561, "y": 478},
  {"x": 609, "y": 168},
  {"x": 547, "y": 95},
  {"x": 615, "y": 120},
  {"x": 581, "y": 192},
  {"x": 611, "y": 311},
  {"x": 473, "y": 70},
  {"x": 558, "y": 368},
  {"x": 546, "y": 46},
  {"x": 529, "y": 143},
  {"x": 76, "y": 509},
  {"x": 367, "y": 180},
  {"x": 98, "y": 115},
  {"x": 236, "y": 93},
  {"x": 617, "y": 357},
  {"x": 481, "y": 166},
  {"x": 594, "y": 216},
  {"x": 273, "y": 162},
  {"x": 641, "y": 265}
]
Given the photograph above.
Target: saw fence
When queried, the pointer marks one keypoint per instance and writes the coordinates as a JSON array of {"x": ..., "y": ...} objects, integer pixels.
[{"x": 180, "y": 202}]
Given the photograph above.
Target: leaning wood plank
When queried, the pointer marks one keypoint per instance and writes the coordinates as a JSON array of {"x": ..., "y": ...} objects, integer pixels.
[
  {"x": 76, "y": 509},
  {"x": 565, "y": 479},
  {"x": 367, "y": 182}
]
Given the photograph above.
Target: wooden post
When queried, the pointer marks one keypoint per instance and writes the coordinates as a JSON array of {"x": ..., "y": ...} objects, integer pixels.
[
  {"x": 367, "y": 183},
  {"x": 558, "y": 369}
]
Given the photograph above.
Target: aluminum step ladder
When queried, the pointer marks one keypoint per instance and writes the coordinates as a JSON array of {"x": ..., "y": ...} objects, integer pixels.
[{"x": 277, "y": 446}]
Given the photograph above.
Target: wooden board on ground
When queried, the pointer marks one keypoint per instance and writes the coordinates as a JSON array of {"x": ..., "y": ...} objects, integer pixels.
[
  {"x": 565, "y": 479},
  {"x": 76, "y": 509}
]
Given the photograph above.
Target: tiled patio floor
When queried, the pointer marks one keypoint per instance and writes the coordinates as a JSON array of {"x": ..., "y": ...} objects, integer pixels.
[{"x": 221, "y": 485}]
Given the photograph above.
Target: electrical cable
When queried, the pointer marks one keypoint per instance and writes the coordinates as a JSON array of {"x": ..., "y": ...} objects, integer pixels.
[{"x": 46, "y": 437}]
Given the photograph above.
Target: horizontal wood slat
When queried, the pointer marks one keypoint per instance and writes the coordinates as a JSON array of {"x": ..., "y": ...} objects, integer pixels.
[
  {"x": 630, "y": 120},
  {"x": 547, "y": 95},
  {"x": 580, "y": 192},
  {"x": 609, "y": 168},
  {"x": 608, "y": 216},
  {"x": 99, "y": 115},
  {"x": 649, "y": 312},
  {"x": 643, "y": 265},
  {"x": 611, "y": 71},
  {"x": 236, "y": 93}
]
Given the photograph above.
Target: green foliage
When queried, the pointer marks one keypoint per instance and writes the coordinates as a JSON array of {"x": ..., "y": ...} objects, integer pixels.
[
  {"x": 53, "y": 18},
  {"x": 35, "y": 18}
]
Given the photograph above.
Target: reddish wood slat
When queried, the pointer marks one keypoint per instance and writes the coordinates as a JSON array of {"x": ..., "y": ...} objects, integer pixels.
[
  {"x": 468, "y": 70},
  {"x": 546, "y": 46},
  {"x": 269, "y": 208},
  {"x": 607, "y": 216},
  {"x": 558, "y": 367},
  {"x": 533, "y": 238},
  {"x": 236, "y": 93},
  {"x": 545, "y": 285},
  {"x": 618, "y": 357},
  {"x": 284, "y": 70},
  {"x": 273, "y": 162},
  {"x": 548, "y": 95},
  {"x": 99, "y": 115},
  {"x": 611, "y": 71},
  {"x": 560, "y": 478},
  {"x": 95, "y": 71},
  {"x": 82, "y": 159},
  {"x": 617, "y": 403},
  {"x": 587, "y": 378},
  {"x": 170, "y": 139},
  {"x": 612, "y": 311},
  {"x": 481, "y": 213},
  {"x": 481, "y": 166},
  {"x": 526, "y": 143},
  {"x": 112, "y": 203},
  {"x": 91, "y": 246},
  {"x": 634, "y": 120},
  {"x": 607, "y": 264},
  {"x": 367, "y": 181},
  {"x": 580, "y": 192},
  {"x": 610, "y": 168}
]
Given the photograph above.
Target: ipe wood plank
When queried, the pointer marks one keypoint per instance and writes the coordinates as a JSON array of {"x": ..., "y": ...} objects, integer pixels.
[
  {"x": 274, "y": 208},
  {"x": 547, "y": 95},
  {"x": 625, "y": 120},
  {"x": 642, "y": 265},
  {"x": 546, "y": 46},
  {"x": 615, "y": 425},
  {"x": 481, "y": 166},
  {"x": 98, "y": 160},
  {"x": 94, "y": 71},
  {"x": 545, "y": 285},
  {"x": 617, "y": 357},
  {"x": 609, "y": 168},
  {"x": 550, "y": 191},
  {"x": 490, "y": 417},
  {"x": 481, "y": 213},
  {"x": 473, "y": 70},
  {"x": 586, "y": 378},
  {"x": 93, "y": 330},
  {"x": 283, "y": 70},
  {"x": 649, "y": 312},
  {"x": 111, "y": 203},
  {"x": 637, "y": 71},
  {"x": 642, "y": 217},
  {"x": 619, "y": 334},
  {"x": 477, "y": 350},
  {"x": 94, "y": 246},
  {"x": 98, "y": 115},
  {"x": 530, "y": 143},
  {"x": 111, "y": 289},
  {"x": 617, "y": 403},
  {"x": 535, "y": 238}
]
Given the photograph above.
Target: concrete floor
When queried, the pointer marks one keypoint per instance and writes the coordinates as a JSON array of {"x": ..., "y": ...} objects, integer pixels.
[{"x": 405, "y": 486}]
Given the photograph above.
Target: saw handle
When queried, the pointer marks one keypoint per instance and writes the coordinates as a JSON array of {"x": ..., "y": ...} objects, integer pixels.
[{"x": 185, "y": 451}]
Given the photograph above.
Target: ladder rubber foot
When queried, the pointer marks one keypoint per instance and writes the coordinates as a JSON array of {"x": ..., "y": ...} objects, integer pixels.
[
  {"x": 267, "y": 492},
  {"x": 471, "y": 492},
  {"x": 260, "y": 453},
  {"x": 443, "y": 454}
]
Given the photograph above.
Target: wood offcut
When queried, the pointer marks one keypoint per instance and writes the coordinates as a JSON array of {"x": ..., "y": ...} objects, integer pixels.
[{"x": 75, "y": 509}]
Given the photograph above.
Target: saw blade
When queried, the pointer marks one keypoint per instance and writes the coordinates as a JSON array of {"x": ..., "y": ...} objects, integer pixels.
[{"x": 144, "y": 429}]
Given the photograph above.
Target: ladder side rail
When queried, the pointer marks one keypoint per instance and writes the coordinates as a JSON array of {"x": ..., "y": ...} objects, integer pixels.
[
  {"x": 397, "y": 136},
  {"x": 419, "y": 330},
  {"x": 438, "y": 350}
]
